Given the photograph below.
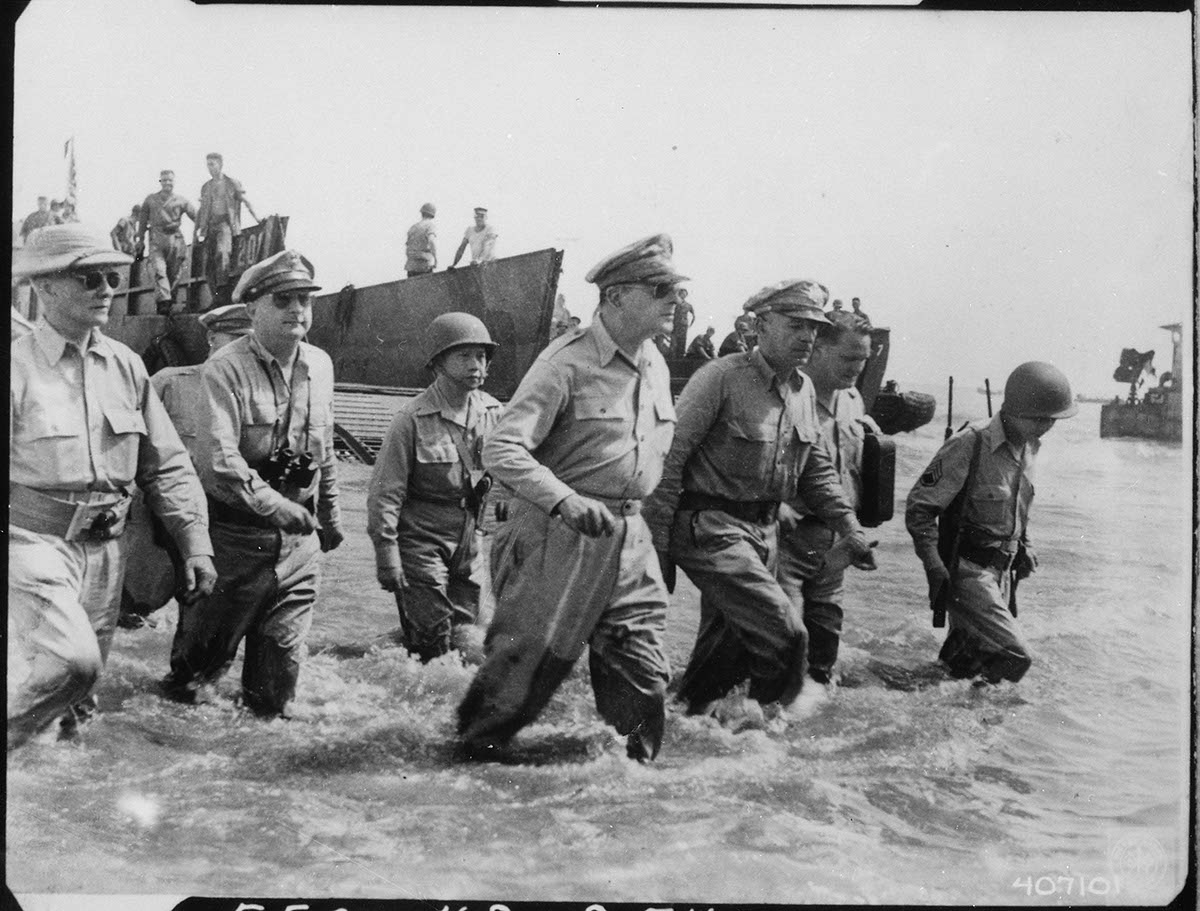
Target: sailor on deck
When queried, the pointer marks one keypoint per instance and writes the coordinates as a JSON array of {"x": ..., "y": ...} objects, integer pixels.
[
  {"x": 581, "y": 443},
  {"x": 162, "y": 215}
]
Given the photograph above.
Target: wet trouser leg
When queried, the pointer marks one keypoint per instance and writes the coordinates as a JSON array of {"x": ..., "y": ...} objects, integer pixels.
[
  {"x": 439, "y": 550},
  {"x": 63, "y": 602},
  {"x": 748, "y": 623},
  {"x": 267, "y": 584},
  {"x": 818, "y": 592},
  {"x": 983, "y": 637},
  {"x": 558, "y": 592}
]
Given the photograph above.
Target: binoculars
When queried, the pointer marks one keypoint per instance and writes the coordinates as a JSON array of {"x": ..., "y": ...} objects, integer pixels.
[{"x": 286, "y": 468}]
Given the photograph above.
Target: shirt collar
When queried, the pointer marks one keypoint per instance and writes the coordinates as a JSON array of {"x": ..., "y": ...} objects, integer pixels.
[
  {"x": 995, "y": 438},
  {"x": 607, "y": 349},
  {"x": 268, "y": 358},
  {"x": 795, "y": 380},
  {"x": 53, "y": 345},
  {"x": 435, "y": 403}
]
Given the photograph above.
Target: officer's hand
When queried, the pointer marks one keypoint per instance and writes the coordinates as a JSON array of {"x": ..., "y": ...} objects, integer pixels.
[
  {"x": 862, "y": 551},
  {"x": 330, "y": 537},
  {"x": 199, "y": 578},
  {"x": 939, "y": 578},
  {"x": 667, "y": 565},
  {"x": 391, "y": 578},
  {"x": 788, "y": 518},
  {"x": 295, "y": 519},
  {"x": 588, "y": 517},
  {"x": 1026, "y": 563}
]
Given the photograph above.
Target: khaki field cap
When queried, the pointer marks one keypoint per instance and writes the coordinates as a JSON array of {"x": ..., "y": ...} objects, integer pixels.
[
  {"x": 647, "y": 260},
  {"x": 232, "y": 319},
  {"x": 794, "y": 296},
  {"x": 287, "y": 270},
  {"x": 58, "y": 248}
]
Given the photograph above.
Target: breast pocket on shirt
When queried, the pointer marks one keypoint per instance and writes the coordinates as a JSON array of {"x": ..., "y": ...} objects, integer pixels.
[
  {"x": 752, "y": 445},
  {"x": 50, "y": 442},
  {"x": 993, "y": 508},
  {"x": 258, "y": 429},
  {"x": 128, "y": 428}
]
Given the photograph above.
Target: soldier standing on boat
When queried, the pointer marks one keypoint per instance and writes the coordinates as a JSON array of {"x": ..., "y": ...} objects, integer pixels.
[
  {"x": 264, "y": 449},
  {"x": 807, "y": 570},
  {"x": 220, "y": 220},
  {"x": 747, "y": 438},
  {"x": 428, "y": 491},
  {"x": 421, "y": 245},
  {"x": 981, "y": 482},
  {"x": 580, "y": 444},
  {"x": 151, "y": 578},
  {"x": 125, "y": 231},
  {"x": 84, "y": 426},
  {"x": 162, "y": 216}
]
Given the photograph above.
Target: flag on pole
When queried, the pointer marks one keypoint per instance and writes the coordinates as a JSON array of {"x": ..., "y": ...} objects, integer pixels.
[{"x": 72, "y": 186}]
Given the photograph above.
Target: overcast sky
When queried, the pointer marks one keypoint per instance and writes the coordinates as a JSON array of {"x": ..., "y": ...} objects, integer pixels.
[{"x": 996, "y": 187}]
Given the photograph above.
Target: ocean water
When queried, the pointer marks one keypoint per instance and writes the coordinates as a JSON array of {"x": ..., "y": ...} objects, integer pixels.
[{"x": 1070, "y": 787}]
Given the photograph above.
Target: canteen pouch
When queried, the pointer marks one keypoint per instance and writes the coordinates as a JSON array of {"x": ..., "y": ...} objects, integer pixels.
[{"x": 878, "y": 501}]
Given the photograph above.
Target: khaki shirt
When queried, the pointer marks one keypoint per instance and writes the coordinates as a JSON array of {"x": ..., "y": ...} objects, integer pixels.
[
  {"x": 248, "y": 409},
  {"x": 586, "y": 419},
  {"x": 744, "y": 436},
  {"x": 220, "y": 200},
  {"x": 843, "y": 429},
  {"x": 998, "y": 507},
  {"x": 91, "y": 422},
  {"x": 179, "y": 390},
  {"x": 421, "y": 246},
  {"x": 164, "y": 214},
  {"x": 420, "y": 459}
]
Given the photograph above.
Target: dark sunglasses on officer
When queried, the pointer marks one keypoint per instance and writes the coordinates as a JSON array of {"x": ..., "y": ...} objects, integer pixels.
[{"x": 93, "y": 279}]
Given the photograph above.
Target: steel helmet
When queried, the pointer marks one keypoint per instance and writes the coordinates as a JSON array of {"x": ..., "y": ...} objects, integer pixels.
[
  {"x": 453, "y": 329},
  {"x": 1038, "y": 390}
]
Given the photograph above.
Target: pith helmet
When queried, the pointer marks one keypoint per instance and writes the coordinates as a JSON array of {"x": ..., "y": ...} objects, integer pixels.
[
  {"x": 1038, "y": 390},
  {"x": 57, "y": 248},
  {"x": 453, "y": 329}
]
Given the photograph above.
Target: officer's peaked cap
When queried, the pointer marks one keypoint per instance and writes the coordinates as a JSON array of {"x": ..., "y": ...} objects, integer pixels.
[
  {"x": 233, "y": 319},
  {"x": 287, "y": 270},
  {"x": 647, "y": 260},
  {"x": 798, "y": 297}
]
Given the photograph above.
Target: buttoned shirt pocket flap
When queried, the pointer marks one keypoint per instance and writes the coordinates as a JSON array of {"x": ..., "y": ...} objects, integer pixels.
[
  {"x": 665, "y": 410},
  {"x": 754, "y": 431},
  {"x": 600, "y": 408},
  {"x": 123, "y": 420},
  {"x": 436, "y": 451},
  {"x": 992, "y": 507}
]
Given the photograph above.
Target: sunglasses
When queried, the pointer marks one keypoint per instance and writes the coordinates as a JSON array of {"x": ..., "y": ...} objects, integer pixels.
[
  {"x": 93, "y": 280},
  {"x": 660, "y": 290}
]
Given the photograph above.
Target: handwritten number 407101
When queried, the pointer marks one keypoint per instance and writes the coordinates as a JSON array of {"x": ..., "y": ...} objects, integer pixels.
[{"x": 1068, "y": 885}]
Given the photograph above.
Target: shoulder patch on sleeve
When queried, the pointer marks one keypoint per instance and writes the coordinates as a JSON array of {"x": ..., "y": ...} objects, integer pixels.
[{"x": 932, "y": 474}]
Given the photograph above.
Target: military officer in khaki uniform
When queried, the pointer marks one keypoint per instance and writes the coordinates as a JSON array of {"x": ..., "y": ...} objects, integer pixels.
[
  {"x": 264, "y": 451},
  {"x": 747, "y": 438},
  {"x": 990, "y": 464},
  {"x": 428, "y": 491},
  {"x": 151, "y": 578},
  {"x": 839, "y": 354},
  {"x": 84, "y": 427},
  {"x": 580, "y": 444}
]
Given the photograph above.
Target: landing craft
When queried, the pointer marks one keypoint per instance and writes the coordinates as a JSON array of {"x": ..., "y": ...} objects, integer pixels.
[{"x": 1156, "y": 414}]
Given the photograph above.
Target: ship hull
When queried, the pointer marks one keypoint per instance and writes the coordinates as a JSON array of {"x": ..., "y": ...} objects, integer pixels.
[{"x": 1143, "y": 420}]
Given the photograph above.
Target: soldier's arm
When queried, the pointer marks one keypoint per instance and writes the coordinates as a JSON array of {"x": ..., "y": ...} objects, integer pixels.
[
  {"x": 388, "y": 489},
  {"x": 523, "y": 426},
  {"x": 329, "y": 512},
  {"x": 821, "y": 490},
  {"x": 240, "y": 194},
  {"x": 166, "y": 475},
  {"x": 697, "y": 410},
  {"x": 933, "y": 492}
]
